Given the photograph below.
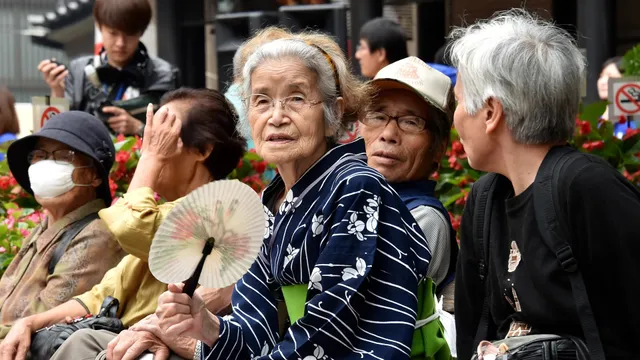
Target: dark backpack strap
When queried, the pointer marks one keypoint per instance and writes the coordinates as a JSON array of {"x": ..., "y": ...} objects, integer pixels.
[
  {"x": 69, "y": 233},
  {"x": 483, "y": 202},
  {"x": 556, "y": 234}
]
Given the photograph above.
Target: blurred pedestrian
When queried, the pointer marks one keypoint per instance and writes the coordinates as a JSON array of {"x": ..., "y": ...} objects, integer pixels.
[
  {"x": 382, "y": 42},
  {"x": 9, "y": 125},
  {"x": 612, "y": 69},
  {"x": 124, "y": 71}
]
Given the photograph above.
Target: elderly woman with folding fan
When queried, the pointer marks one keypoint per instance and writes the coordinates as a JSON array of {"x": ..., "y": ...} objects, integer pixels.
[{"x": 337, "y": 233}]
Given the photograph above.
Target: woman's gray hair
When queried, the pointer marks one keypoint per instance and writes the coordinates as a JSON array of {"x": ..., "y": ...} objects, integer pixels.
[
  {"x": 531, "y": 66},
  {"x": 237, "y": 60},
  {"x": 312, "y": 58}
]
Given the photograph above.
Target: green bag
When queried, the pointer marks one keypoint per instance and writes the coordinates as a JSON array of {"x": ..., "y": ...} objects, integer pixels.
[{"x": 428, "y": 340}]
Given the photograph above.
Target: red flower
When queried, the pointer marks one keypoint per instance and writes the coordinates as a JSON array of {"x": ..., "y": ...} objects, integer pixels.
[
  {"x": 122, "y": 157},
  {"x": 584, "y": 127},
  {"x": 453, "y": 163},
  {"x": 457, "y": 148},
  {"x": 4, "y": 183},
  {"x": 255, "y": 182},
  {"x": 113, "y": 187},
  {"x": 120, "y": 138},
  {"x": 240, "y": 164},
  {"x": 622, "y": 119},
  {"x": 455, "y": 222},
  {"x": 435, "y": 176},
  {"x": 593, "y": 145},
  {"x": 463, "y": 200},
  {"x": 138, "y": 144},
  {"x": 463, "y": 182},
  {"x": 259, "y": 166},
  {"x": 630, "y": 133}
]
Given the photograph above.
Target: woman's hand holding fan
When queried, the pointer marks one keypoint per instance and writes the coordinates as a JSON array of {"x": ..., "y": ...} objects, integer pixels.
[{"x": 182, "y": 315}]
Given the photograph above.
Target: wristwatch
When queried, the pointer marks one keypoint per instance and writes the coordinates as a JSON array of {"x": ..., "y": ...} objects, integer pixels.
[{"x": 196, "y": 354}]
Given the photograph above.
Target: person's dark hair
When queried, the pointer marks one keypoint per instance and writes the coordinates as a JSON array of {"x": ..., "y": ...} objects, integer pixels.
[
  {"x": 8, "y": 116},
  {"x": 381, "y": 33},
  {"x": 129, "y": 16},
  {"x": 210, "y": 120},
  {"x": 442, "y": 56},
  {"x": 617, "y": 61}
]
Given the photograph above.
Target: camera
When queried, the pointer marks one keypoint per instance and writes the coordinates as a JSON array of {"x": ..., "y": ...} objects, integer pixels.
[
  {"x": 54, "y": 61},
  {"x": 102, "y": 116}
]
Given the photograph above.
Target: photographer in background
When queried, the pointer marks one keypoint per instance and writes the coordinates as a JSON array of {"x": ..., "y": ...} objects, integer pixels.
[{"x": 117, "y": 87}]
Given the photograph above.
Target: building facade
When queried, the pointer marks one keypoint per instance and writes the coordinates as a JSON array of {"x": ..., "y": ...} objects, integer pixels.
[{"x": 184, "y": 32}]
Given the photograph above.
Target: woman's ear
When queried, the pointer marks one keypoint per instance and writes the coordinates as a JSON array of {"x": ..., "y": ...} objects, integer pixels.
[
  {"x": 329, "y": 131},
  {"x": 202, "y": 156},
  {"x": 97, "y": 181}
]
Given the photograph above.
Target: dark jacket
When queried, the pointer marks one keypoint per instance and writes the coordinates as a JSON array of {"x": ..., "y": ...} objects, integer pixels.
[
  {"x": 151, "y": 76},
  {"x": 600, "y": 210}
]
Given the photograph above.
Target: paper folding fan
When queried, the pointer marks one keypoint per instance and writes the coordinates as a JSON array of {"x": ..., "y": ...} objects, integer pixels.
[{"x": 210, "y": 238}]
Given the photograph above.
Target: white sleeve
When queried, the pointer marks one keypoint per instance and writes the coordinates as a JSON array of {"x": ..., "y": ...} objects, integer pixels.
[{"x": 436, "y": 231}]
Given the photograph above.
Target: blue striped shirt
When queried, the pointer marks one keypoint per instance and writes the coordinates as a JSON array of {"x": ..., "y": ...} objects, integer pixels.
[{"x": 345, "y": 232}]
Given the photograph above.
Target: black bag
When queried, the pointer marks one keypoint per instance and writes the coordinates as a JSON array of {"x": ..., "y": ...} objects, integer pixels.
[
  {"x": 556, "y": 234},
  {"x": 45, "y": 342}
]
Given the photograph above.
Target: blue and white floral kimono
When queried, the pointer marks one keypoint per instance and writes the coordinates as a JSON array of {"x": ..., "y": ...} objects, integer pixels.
[{"x": 343, "y": 231}]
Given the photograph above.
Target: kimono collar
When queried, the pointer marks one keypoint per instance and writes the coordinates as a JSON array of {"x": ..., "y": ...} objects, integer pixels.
[
  {"x": 417, "y": 188},
  {"x": 318, "y": 169}
]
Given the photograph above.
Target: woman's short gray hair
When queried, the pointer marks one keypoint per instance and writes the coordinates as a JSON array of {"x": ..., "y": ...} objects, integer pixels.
[
  {"x": 313, "y": 59},
  {"x": 531, "y": 66}
]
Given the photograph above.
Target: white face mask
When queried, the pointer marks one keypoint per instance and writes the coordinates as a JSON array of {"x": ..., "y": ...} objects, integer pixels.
[{"x": 50, "y": 179}]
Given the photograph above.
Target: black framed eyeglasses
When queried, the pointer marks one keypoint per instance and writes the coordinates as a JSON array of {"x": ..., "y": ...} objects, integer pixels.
[
  {"x": 59, "y": 156},
  {"x": 408, "y": 123}
]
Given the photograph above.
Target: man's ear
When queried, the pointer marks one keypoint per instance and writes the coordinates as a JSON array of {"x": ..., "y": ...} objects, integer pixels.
[
  {"x": 381, "y": 55},
  {"x": 494, "y": 115}
]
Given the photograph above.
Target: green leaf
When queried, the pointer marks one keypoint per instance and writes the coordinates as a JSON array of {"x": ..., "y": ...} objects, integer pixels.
[
  {"x": 631, "y": 62},
  {"x": 631, "y": 144},
  {"x": 449, "y": 200},
  {"x": 10, "y": 205},
  {"x": 8, "y": 258},
  {"x": 125, "y": 145},
  {"x": 27, "y": 202},
  {"x": 593, "y": 112},
  {"x": 252, "y": 156},
  {"x": 27, "y": 211},
  {"x": 4, "y": 166},
  {"x": 630, "y": 159},
  {"x": 606, "y": 130},
  {"x": 132, "y": 163}
]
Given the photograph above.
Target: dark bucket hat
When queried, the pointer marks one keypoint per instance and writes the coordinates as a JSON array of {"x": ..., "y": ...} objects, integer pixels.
[{"x": 76, "y": 129}]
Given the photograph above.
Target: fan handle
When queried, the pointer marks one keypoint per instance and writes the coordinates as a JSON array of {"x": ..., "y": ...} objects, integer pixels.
[{"x": 191, "y": 284}]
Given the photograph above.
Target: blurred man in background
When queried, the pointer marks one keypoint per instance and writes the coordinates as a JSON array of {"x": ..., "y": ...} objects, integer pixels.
[
  {"x": 117, "y": 87},
  {"x": 382, "y": 42}
]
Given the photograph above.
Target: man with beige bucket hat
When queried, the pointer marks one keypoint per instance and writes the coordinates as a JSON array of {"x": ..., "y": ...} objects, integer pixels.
[{"x": 406, "y": 132}]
